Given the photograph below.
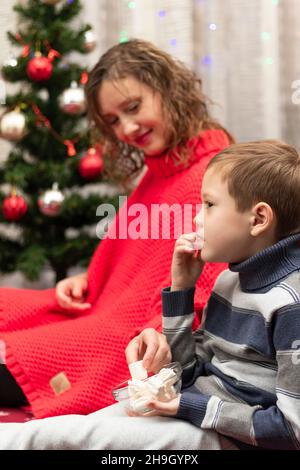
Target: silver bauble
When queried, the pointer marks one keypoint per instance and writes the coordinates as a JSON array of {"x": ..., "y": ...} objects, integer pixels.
[
  {"x": 13, "y": 126},
  {"x": 43, "y": 94},
  {"x": 72, "y": 100},
  {"x": 50, "y": 201},
  {"x": 89, "y": 41}
]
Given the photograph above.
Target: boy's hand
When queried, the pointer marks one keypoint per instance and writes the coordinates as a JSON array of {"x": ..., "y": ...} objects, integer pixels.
[
  {"x": 159, "y": 408},
  {"x": 151, "y": 347},
  {"x": 71, "y": 292},
  {"x": 186, "y": 265}
]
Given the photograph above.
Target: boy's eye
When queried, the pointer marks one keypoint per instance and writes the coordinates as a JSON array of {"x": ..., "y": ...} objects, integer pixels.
[{"x": 208, "y": 204}]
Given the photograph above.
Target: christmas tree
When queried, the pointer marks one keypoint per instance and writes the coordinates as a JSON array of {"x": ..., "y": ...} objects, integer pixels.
[{"x": 55, "y": 151}]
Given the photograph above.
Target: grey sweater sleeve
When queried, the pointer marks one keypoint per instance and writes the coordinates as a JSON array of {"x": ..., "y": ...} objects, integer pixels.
[{"x": 178, "y": 316}]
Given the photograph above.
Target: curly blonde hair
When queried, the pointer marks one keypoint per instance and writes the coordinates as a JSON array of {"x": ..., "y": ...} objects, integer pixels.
[{"x": 183, "y": 102}]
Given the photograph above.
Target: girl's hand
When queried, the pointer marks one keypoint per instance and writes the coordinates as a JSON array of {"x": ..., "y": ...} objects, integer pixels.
[
  {"x": 71, "y": 292},
  {"x": 159, "y": 408},
  {"x": 187, "y": 264},
  {"x": 151, "y": 347}
]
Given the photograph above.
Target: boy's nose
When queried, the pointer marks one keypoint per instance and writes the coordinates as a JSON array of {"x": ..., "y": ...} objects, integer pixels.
[{"x": 198, "y": 219}]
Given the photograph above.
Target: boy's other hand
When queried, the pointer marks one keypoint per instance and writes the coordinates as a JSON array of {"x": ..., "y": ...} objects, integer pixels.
[
  {"x": 71, "y": 292},
  {"x": 159, "y": 408},
  {"x": 151, "y": 347},
  {"x": 187, "y": 264}
]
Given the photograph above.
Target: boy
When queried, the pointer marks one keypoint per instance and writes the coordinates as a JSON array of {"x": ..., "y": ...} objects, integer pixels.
[
  {"x": 241, "y": 377},
  {"x": 242, "y": 372}
]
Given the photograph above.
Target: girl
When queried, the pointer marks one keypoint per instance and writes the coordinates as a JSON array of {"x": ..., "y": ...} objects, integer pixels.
[{"x": 65, "y": 347}]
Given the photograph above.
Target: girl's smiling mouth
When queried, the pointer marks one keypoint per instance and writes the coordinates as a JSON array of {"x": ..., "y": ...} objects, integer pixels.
[{"x": 143, "y": 139}]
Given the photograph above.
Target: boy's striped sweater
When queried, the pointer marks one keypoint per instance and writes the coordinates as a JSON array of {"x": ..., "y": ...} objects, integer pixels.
[{"x": 241, "y": 373}]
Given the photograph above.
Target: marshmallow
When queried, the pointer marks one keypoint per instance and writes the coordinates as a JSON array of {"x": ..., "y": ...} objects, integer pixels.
[
  {"x": 139, "y": 405},
  {"x": 136, "y": 388},
  {"x": 138, "y": 371},
  {"x": 166, "y": 374},
  {"x": 198, "y": 244},
  {"x": 158, "y": 387}
]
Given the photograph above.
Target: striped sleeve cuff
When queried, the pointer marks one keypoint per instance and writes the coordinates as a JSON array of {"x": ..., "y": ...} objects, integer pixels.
[
  {"x": 192, "y": 407},
  {"x": 178, "y": 303}
]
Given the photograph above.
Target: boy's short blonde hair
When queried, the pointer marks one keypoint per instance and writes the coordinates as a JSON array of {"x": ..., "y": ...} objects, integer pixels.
[{"x": 267, "y": 171}]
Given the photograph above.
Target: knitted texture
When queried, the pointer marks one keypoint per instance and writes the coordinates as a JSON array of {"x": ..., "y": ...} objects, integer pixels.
[{"x": 125, "y": 279}]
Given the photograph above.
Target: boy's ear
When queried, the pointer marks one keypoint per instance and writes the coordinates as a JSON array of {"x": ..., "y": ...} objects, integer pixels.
[{"x": 262, "y": 217}]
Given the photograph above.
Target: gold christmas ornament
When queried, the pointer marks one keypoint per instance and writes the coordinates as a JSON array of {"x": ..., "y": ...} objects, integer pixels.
[
  {"x": 50, "y": 201},
  {"x": 13, "y": 125},
  {"x": 89, "y": 41},
  {"x": 72, "y": 100}
]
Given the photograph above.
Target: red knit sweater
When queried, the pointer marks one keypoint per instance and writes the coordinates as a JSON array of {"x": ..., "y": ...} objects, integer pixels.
[{"x": 125, "y": 279}]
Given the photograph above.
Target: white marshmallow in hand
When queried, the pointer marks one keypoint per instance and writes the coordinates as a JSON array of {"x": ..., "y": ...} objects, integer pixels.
[
  {"x": 137, "y": 388},
  {"x": 159, "y": 387},
  {"x": 198, "y": 244},
  {"x": 140, "y": 405},
  {"x": 139, "y": 395},
  {"x": 138, "y": 371}
]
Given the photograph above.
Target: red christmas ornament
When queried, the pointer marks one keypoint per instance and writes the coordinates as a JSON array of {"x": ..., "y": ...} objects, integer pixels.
[
  {"x": 91, "y": 164},
  {"x": 39, "y": 68},
  {"x": 14, "y": 207}
]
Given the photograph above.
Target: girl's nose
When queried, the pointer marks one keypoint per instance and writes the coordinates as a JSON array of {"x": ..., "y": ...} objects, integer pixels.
[{"x": 129, "y": 128}]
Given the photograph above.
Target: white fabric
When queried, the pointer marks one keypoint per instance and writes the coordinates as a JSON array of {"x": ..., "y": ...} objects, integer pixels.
[{"x": 109, "y": 429}]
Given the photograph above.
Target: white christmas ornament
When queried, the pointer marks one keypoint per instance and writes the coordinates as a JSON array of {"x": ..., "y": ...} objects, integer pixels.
[
  {"x": 13, "y": 126},
  {"x": 50, "y": 201},
  {"x": 72, "y": 100},
  {"x": 10, "y": 62},
  {"x": 43, "y": 94},
  {"x": 89, "y": 41}
]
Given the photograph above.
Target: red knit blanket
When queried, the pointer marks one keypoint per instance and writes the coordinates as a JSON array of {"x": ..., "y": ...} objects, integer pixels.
[{"x": 69, "y": 364}]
